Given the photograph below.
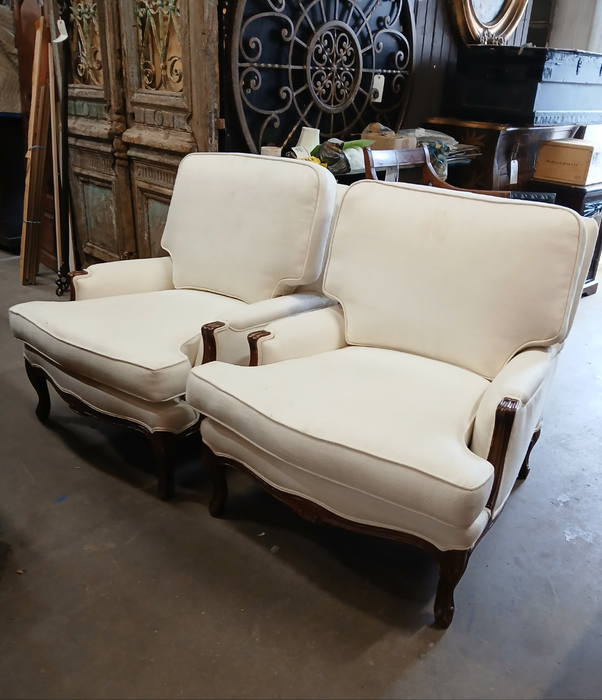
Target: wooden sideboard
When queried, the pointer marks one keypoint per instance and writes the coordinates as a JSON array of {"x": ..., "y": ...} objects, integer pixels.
[{"x": 499, "y": 145}]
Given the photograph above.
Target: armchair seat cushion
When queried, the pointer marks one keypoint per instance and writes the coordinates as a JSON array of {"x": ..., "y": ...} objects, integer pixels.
[
  {"x": 141, "y": 344},
  {"x": 389, "y": 427}
]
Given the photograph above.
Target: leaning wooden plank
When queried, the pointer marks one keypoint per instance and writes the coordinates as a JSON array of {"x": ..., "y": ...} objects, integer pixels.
[
  {"x": 36, "y": 158},
  {"x": 39, "y": 184},
  {"x": 34, "y": 212},
  {"x": 55, "y": 155},
  {"x": 40, "y": 152},
  {"x": 30, "y": 140}
]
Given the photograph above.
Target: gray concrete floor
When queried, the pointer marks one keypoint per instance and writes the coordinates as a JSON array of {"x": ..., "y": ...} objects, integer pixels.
[{"x": 124, "y": 596}]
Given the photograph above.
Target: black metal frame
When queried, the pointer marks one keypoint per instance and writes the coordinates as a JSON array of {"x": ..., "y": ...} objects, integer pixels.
[{"x": 294, "y": 63}]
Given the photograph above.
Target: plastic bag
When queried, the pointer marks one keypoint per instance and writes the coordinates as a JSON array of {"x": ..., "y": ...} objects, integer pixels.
[{"x": 331, "y": 153}]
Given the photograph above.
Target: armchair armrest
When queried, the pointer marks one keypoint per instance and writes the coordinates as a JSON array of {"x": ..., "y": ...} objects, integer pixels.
[
  {"x": 520, "y": 389},
  {"x": 226, "y": 341},
  {"x": 112, "y": 279},
  {"x": 298, "y": 336}
]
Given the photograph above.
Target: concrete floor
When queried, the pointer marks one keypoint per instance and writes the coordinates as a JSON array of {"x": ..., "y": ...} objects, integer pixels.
[{"x": 124, "y": 596}]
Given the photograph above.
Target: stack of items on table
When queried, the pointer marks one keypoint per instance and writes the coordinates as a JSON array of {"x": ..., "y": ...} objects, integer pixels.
[{"x": 346, "y": 157}]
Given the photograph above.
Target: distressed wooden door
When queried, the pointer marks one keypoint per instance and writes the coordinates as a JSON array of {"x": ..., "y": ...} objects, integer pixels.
[
  {"x": 171, "y": 78},
  {"x": 100, "y": 180},
  {"x": 143, "y": 93}
]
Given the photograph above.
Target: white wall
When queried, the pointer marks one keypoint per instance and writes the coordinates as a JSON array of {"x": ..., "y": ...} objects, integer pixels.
[{"x": 577, "y": 25}]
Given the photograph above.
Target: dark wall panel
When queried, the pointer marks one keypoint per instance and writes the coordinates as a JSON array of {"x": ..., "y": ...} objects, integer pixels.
[{"x": 435, "y": 53}]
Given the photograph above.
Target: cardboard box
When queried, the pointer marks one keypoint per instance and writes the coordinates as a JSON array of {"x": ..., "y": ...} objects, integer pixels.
[
  {"x": 388, "y": 141},
  {"x": 569, "y": 161}
]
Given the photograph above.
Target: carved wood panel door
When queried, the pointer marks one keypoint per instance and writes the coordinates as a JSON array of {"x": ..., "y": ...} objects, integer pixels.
[
  {"x": 170, "y": 104},
  {"x": 143, "y": 94},
  {"x": 100, "y": 180}
]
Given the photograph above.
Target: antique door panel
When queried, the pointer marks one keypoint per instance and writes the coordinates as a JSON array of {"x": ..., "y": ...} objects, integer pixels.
[
  {"x": 153, "y": 179},
  {"x": 93, "y": 185},
  {"x": 100, "y": 182},
  {"x": 168, "y": 112},
  {"x": 100, "y": 174}
]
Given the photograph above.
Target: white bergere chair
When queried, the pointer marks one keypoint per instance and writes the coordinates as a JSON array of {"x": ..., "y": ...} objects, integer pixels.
[
  {"x": 408, "y": 411},
  {"x": 243, "y": 233}
]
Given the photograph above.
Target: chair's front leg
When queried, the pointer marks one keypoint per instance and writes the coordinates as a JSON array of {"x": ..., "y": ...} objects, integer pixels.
[
  {"x": 452, "y": 565},
  {"x": 39, "y": 381},
  {"x": 525, "y": 468},
  {"x": 163, "y": 446},
  {"x": 217, "y": 473}
]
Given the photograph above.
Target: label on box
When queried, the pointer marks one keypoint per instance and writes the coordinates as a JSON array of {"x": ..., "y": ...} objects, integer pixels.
[{"x": 569, "y": 161}]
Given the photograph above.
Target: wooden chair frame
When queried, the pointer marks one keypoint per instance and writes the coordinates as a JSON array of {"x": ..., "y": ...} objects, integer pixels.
[
  {"x": 411, "y": 157},
  {"x": 162, "y": 442},
  {"x": 451, "y": 563}
]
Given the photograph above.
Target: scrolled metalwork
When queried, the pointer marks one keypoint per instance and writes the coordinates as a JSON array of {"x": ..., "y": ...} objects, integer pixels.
[
  {"x": 159, "y": 44},
  {"x": 86, "y": 57},
  {"x": 312, "y": 63},
  {"x": 334, "y": 66}
]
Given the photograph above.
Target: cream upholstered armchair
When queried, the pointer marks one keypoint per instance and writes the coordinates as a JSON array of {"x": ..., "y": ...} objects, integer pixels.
[
  {"x": 244, "y": 234},
  {"x": 409, "y": 410}
]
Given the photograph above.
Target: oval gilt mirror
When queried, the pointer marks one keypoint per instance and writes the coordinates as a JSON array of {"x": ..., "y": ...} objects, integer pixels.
[{"x": 487, "y": 21}]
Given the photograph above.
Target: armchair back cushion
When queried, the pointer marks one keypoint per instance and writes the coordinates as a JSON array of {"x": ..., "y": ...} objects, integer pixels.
[
  {"x": 246, "y": 226},
  {"x": 462, "y": 278}
]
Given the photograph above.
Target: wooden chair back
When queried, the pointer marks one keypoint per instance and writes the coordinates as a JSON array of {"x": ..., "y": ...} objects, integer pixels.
[{"x": 394, "y": 160}]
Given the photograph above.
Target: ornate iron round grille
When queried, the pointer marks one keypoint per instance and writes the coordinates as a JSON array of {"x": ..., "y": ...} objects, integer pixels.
[
  {"x": 334, "y": 66},
  {"x": 312, "y": 63}
]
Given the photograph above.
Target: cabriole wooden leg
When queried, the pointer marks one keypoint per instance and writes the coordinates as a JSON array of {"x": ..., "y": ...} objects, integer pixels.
[
  {"x": 217, "y": 473},
  {"x": 452, "y": 566},
  {"x": 40, "y": 384},
  {"x": 163, "y": 447},
  {"x": 525, "y": 469}
]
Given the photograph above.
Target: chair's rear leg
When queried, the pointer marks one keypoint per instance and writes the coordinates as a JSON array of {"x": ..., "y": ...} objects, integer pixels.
[
  {"x": 452, "y": 565},
  {"x": 39, "y": 381},
  {"x": 217, "y": 473},
  {"x": 163, "y": 446},
  {"x": 525, "y": 469}
]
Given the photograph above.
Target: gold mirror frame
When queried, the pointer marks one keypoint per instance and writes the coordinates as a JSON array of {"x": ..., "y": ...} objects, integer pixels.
[{"x": 474, "y": 31}]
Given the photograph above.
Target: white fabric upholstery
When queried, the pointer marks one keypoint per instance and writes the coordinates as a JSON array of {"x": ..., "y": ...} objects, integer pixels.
[
  {"x": 336, "y": 496},
  {"x": 388, "y": 426},
  {"x": 302, "y": 336},
  {"x": 527, "y": 378},
  {"x": 231, "y": 339},
  {"x": 247, "y": 226},
  {"x": 439, "y": 292},
  {"x": 464, "y": 279},
  {"x": 112, "y": 279},
  {"x": 317, "y": 287},
  {"x": 591, "y": 229},
  {"x": 141, "y": 344},
  {"x": 240, "y": 229},
  {"x": 174, "y": 416}
]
